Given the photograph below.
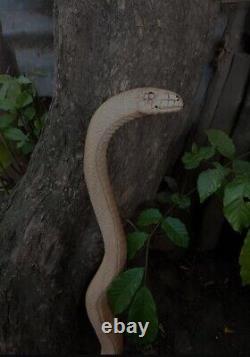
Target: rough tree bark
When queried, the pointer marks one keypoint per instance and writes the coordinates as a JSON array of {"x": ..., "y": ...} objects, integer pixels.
[{"x": 50, "y": 244}]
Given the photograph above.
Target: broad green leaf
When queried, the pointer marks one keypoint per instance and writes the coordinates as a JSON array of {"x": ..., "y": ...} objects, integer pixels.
[
  {"x": 37, "y": 132},
  {"x": 14, "y": 91},
  {"x": 236, "y": 208},
  {"x": 38, "y": 124},
  {"x": 23, "y": 100},
  {"x": 27, "y": 148},
  {"x": 4, "y": 90},
  {"x": 241, "y": 167},
  {"x": 237, "y": 189},
  {"x": 135, "y": 242},
  {"x": 192, "y": 160},
  {"x": 206, "y": 152},
  {"x": 29, "y": 112},
  {"x": 148, "y": 217},
  {"x": 6, "y": 120},
  {"x": 4, "y": 78},
  {"x": 245, "y": 261},
  {"x": 15, "y": 134},
  {"x": 176, "y": 231},
  {"x": 44, "y": 118},
  {"x": 238, "y": 214},
  {"x": 7, "y": 105},
  {"x": 5, "y": 157},
  {"x": 222, "y": 142},
  {"x": 31, "y": 90},
  {"x": 123, "y": 288},
  {"x": 20, "y": 144},
  {"x": 181, "y": 201},
  {"x": 143, "y": 309},
  {"x": 210, "y": 181},
  {"x": 24, "y": 80}
]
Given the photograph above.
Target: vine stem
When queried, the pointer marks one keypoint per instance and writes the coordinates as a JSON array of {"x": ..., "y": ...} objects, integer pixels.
[
  {"x": 153, "y": 232},
  {"x": 132, "y": 224},
  {"x": 242, "y": 155}
]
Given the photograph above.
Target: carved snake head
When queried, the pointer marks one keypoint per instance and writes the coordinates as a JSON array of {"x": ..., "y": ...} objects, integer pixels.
[{"x": 159, "y": 101}]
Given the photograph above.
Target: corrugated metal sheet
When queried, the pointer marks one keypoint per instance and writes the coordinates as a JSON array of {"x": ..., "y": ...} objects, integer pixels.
[{"x": 28, "y": 29}]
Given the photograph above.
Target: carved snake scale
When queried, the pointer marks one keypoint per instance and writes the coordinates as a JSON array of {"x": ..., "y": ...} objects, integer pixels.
[{"x": 111, "y": 115}]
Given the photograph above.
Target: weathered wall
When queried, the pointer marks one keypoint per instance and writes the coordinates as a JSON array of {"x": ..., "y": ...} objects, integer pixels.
[{"x": 28, "y": 29}]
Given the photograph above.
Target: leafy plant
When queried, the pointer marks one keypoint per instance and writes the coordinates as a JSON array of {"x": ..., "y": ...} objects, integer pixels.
[
  {"x": 230, "y": 181},
  {"x": 21, "y": 120},
  {"x": 128, "y": 293}
]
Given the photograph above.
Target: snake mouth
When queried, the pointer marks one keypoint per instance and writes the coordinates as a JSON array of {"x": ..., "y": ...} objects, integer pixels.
[{"x": 170, "y": 104}]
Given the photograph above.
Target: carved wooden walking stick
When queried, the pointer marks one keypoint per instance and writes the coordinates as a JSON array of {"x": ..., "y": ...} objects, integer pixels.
[{"x": 108, "y": 118}]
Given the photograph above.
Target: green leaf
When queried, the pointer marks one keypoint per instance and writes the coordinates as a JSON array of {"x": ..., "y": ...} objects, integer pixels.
[
  {"x": 37, "y": 132},
  {"x": 210, "y": 181},
  {"x": 4, "y": 90},
  {"x": 238, "y": 214},
  {"x": 148, "y": 217},
  {"x": 14, "y": 91},
  {"x": 192, "y": 160},
  {"x": 20, "y": 144},
  {"x": 4, "y": 78},
  {"x": 15, "y": 134},
  {"x": 181, "y": 201},
  {"x": 236, "y": 208},
  {"x": 123, "y": 288},
  {"x": 31, "y": 90},
  {"x": 29, "y": 112},
  {"x": 44, "y": 118},
  {"x": 23, "y": 100},
  {"x": 7, "y": 105},
  {"x": 222, "y": 142},
  {"x": 24, "y": 80},
  {"x": 176, "y": 231},
  {"x": 237, "y": 189},
  {"x": 143, "y": 309},
  {"x": 27, "y": 148},
  {"x": 6, "y": 120},
  {"x": 206, "y": 152},
  {"x": 245, "y": 261},
  {"x": 241, "y": 167},
  {"x": 5, "y": 157},
  {"x": 38, "y": 124},
  {"x": 135, "y": 242}
]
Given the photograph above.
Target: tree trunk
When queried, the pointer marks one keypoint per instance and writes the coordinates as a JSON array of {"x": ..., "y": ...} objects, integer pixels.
[{"x": 50, "y": 243}]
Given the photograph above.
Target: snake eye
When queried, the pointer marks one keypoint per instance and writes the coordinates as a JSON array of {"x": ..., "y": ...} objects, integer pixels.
[{"x": 151, "y": 95}]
